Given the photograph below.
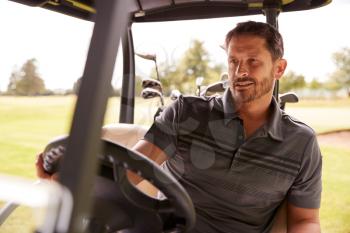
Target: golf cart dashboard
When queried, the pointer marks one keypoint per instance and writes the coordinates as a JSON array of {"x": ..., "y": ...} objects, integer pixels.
[{"x": 168, "y": 10}]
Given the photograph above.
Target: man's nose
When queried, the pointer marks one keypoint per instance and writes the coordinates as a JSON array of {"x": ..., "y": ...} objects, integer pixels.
[{"x": 241, "y": 70}]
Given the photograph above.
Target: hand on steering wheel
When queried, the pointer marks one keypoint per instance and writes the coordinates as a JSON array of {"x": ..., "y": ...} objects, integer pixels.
[{"x": 118, "y": 159}]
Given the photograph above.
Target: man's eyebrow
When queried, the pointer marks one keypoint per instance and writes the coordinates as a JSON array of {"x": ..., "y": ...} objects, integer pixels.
[{"x": 253, "y": 54}]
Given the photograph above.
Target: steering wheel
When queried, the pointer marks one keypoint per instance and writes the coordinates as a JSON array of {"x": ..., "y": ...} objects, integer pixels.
[{"x": 115, "y": 197}]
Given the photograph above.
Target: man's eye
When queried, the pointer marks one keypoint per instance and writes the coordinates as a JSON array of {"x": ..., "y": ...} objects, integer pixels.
[
  {"x": 234, "y": 61},
  {"x": 253, "y": 61}
]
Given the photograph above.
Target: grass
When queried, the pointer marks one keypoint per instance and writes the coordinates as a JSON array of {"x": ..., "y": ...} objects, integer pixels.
[
  {"x": 23, "y": 220},
  {"x": 27, "y": 124},
  {"x": 322, "y": 115},
  {"x": 335, "y": 206}
]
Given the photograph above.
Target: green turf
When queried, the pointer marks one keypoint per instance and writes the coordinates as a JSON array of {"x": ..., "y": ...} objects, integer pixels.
[
  {"x": 27, "y": 124},
  {"x": 335, "y": 207},
  {"x": 323, "y": 115},
  {"x": 23, "y": 220}
]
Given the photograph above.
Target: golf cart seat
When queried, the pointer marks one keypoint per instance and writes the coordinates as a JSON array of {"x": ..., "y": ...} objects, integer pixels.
[{"x": 125, "y": 134}]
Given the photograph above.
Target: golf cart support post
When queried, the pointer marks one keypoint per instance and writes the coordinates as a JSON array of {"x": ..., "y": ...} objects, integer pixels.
[{"x": 80, "y": 164}]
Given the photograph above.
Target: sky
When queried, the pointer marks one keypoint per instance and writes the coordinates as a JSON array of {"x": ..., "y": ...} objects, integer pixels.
[{"x": 60, "y": 43}]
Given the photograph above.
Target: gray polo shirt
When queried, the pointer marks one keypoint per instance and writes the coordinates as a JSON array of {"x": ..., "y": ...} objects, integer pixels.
[{"x": 237, "y": 184}]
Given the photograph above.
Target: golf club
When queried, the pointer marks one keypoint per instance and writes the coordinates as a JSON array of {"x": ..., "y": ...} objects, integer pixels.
[
  {"x": 149, "y": 93},
  {"x": 199, "y": 81},
  {"x": 150, "y": 57},
  {"x": 152, "y": 83},
  {"x": 215, "y": 87},
  {"x": 289, "y": 97},
  {"x": 175, "y": 94}
]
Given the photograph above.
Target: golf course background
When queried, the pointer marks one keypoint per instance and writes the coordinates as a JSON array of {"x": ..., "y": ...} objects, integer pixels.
[{"x": 28, "y": 124}]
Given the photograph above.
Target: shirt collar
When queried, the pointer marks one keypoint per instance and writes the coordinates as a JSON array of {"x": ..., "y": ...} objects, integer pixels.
[
  {"x": 230, "y": 112},
  {"x": 274, "y": 124},
  {"x": 273, "y": 127}
]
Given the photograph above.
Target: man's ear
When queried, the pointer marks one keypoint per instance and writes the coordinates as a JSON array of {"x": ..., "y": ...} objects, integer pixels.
[{"x": 280, "y": 67}]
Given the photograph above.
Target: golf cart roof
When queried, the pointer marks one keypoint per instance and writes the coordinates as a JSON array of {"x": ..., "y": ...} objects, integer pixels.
[{"x": 167, "y": 10}]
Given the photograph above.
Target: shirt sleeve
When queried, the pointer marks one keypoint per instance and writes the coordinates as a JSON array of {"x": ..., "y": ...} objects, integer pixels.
[
  {"x": 163, "y": 132},
  {"x": 306, "y": 189}
]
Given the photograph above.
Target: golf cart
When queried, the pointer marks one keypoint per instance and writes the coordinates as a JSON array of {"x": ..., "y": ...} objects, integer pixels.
[{"x": 115, "y": 204}]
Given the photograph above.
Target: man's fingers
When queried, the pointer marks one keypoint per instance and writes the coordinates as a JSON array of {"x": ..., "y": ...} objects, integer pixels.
[
  {"x": 40, "y": 172},
  {"x": 39, "y": 168},
  {"x": 39, "y": 159}
]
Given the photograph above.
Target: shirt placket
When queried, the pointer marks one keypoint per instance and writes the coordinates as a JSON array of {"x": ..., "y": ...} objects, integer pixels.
[{"x": 238, "y": 138}]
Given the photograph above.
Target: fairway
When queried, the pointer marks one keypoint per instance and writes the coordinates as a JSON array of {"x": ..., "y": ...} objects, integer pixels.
[
  {"x": 323, "y": 116},
  {"x": 28, "y": 123}
]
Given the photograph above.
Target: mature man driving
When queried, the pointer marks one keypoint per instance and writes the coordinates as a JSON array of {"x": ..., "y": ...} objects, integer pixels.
[{"x": 239, "y": 156}]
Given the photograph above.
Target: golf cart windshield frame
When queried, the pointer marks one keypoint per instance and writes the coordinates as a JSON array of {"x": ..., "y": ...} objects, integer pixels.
[{"x": 112, "y": 23}]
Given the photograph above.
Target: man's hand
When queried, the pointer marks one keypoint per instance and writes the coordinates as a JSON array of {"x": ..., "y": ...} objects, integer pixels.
[{"x": 40, "y": 172}]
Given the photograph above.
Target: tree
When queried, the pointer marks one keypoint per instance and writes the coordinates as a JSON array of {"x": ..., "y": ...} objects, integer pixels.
[
  {"x": 194, "y": 63},
  {"x": 291, "y": 82},
  {"x": 14, "y": 78},
  {"x": 26, "y": 81},
  {"x": 315, "y": 84},
  {"x": 341, "y": 76}
]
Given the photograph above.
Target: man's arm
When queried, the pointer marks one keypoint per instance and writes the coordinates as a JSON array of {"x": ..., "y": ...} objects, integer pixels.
[
  {"x": 144, "y": 147},
  {"x": 302, "y": 220},
  {"x": 152, "y": 152}
]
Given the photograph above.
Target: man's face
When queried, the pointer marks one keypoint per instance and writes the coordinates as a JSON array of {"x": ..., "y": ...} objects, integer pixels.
[{"x": 251, "y": 70}]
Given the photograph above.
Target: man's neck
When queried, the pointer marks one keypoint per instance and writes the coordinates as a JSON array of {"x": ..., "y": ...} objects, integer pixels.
[{"x": 254, "y": 114}]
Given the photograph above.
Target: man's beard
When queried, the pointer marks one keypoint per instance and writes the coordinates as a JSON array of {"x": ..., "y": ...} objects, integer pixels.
[{"x": 259, "y": 89}]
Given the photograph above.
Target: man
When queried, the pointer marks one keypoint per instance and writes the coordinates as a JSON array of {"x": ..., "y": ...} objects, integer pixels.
[{"x": 239, "y": 156}]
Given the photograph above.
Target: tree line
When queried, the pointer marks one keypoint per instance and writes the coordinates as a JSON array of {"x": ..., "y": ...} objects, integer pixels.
[
  {"x": 338, "y": 80},
  {"x": 181, "y": 75},
  {"x": 26, "y": 80}
]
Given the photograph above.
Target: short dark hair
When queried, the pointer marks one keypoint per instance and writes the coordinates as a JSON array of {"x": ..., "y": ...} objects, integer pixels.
[{"x": 274, "y": 41}]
